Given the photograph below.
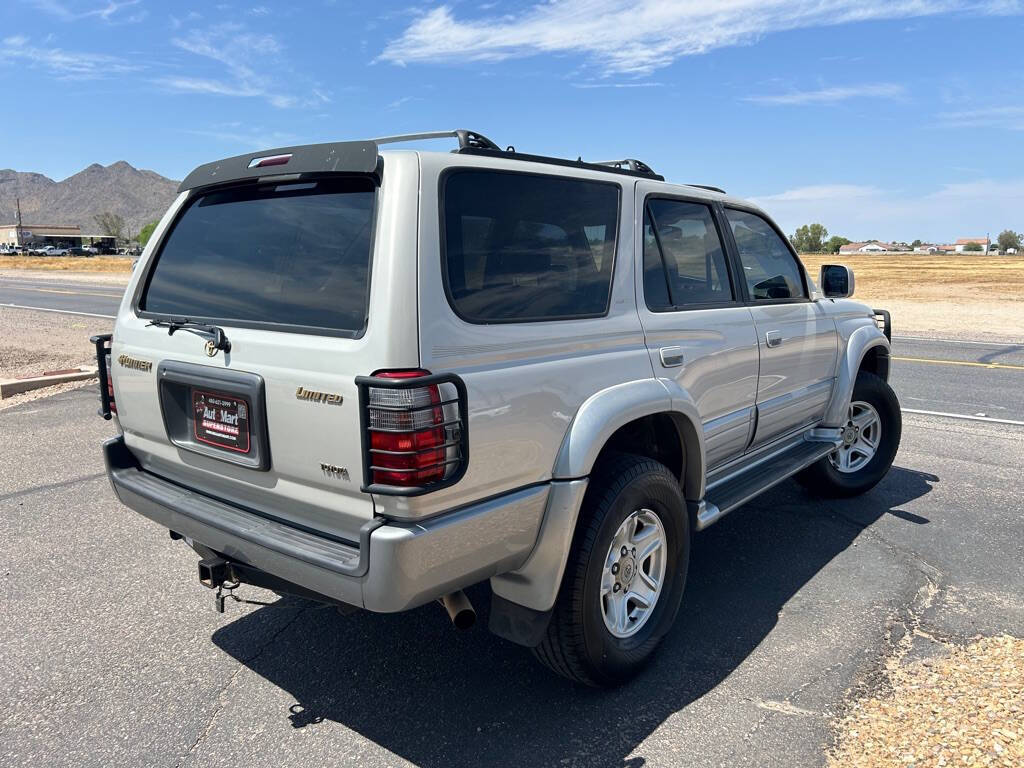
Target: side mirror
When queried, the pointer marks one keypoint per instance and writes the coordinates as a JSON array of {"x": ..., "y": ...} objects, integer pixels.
[{"x": 835, "y": 281}]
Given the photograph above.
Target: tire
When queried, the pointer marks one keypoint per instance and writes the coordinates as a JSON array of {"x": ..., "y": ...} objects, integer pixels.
[
  {"x": 579, "y": 643},
  {"x": 826, "y": 477}
]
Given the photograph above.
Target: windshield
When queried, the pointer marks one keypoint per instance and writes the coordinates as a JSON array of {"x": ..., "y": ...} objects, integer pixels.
[{"x": 288, "y": 254}]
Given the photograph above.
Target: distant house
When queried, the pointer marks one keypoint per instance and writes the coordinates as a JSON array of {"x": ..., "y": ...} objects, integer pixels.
[
  {"x": 947, "y": 249},
  {"x": 872, "y": 247},
  {"x": 927, "y": 248},
  {"x": 984, "y": 242}
]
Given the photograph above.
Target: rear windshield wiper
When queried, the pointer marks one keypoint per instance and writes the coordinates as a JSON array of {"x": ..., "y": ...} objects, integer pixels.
[{"x": 220, "y": 339}]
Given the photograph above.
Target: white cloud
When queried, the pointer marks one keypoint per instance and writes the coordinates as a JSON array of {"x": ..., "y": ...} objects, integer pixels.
[
  {"x": 250, "y": 61},
  {"x": 71, "y": 12},
  {"x": 1009, "y": 117},
  {"x": 256, "y": 138},
  {"x": 639, "y": 36},
  {"x": 956, "y": 209},
  {"x": 67, "y": 65},
  {"x": 830, "y": 95}
]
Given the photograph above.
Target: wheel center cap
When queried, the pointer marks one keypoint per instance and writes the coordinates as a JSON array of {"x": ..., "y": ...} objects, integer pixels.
[
  {"x": 627, "y": 569},
  {"x": 849, "y": 435}
]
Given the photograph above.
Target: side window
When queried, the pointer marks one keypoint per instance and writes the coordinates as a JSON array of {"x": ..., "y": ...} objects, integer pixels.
[
  {"x": 769, "y": 267},
  {"x": 684, "y": 265},
  {"x": 521, "y": 247}
]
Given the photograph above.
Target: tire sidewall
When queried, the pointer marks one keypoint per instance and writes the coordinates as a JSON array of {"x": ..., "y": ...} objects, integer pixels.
[{"x": 618, "y": 658}]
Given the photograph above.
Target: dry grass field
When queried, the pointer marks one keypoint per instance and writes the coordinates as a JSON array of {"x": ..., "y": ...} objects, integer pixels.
[
  {"x": 106, "y": 264},
  {"x": 966, "y": 295}
]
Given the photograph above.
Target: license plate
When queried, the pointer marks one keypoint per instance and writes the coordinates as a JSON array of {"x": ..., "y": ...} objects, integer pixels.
[{"x": 221, "y": 420}]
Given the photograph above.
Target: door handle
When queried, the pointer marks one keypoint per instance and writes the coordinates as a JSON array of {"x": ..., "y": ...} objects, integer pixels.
[
  {"x": 773, "y": 338},
  {"x": 671, "y": 356}
]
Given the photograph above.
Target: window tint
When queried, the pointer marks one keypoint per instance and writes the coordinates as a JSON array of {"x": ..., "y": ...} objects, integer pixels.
[
  {"x": 294, "y": 254},
  {"x": 684, "y": 264},
  {"x": 520, "y": 247},
  {"x": 769, "y": 267}
]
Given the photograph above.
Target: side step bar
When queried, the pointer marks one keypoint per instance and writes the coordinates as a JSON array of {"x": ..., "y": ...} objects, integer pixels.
[{"x": 737, "y": 489}]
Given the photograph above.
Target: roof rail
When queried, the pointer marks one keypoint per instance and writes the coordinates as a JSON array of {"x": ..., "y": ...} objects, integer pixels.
[
  {"x": 631, "y": 164},
  {"x": 708, "y": 187},
  {"x": 467, "y": 139},
  {"x": 471, "y": 142}
]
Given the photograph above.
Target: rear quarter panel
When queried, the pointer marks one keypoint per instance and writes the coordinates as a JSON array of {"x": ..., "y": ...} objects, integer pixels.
[{"x": 525, "y": 381}]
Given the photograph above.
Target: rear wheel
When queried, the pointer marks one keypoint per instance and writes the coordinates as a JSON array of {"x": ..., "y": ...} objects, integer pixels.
[
  {"x": 871, "y": 437},
  {"x": 625, "y": 576}
]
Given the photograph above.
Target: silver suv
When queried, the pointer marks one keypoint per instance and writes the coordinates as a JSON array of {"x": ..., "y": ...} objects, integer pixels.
[{"x": 375, "y": 378}]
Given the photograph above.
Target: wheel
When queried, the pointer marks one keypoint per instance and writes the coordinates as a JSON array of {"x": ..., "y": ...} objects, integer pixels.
[
  {"x": 871, "y": 436},
  {"x": 625, "y": 575}
]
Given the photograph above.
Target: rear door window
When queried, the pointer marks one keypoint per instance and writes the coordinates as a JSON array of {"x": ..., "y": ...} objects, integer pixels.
[
  {"x": 286, "y": 255},
  {"x": 521, "y": 247},
  {"x": 684, "y": 264}
]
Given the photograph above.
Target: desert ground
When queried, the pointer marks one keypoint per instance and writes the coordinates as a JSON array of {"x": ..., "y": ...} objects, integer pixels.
[{"x": 961, "y": 296}]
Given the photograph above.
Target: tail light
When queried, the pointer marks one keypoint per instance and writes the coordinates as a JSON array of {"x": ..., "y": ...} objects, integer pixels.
[
  {"x": 414, "y": 431},
  {"x": 102, "y": 344}
]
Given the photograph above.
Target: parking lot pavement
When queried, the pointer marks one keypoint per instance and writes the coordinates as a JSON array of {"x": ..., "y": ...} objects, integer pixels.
[{"x": 113, "y": 654}]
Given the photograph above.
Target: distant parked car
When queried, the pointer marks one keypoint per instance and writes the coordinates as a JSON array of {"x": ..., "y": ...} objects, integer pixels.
[
  {"x": 42, "y": 250},
  {"x": 80, "y": 250}
]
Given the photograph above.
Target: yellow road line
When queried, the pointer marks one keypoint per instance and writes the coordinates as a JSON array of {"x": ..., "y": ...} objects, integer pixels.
[
  {"x": 960, "y": 362},
  {"x": 73, "y": 293}
]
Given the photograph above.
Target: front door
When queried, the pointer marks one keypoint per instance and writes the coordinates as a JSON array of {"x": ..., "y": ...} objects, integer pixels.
[
  {"x": 697, "y": 330},
  {"x": 796, "y": 340}
]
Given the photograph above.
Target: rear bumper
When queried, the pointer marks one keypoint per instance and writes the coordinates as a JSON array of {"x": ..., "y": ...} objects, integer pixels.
[{"x": 394, "y": 566}]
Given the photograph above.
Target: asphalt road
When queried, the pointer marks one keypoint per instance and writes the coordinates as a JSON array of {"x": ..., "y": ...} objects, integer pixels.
[
  {"x": 112, "y": 653},
  {"x": 966, "y": 378}
]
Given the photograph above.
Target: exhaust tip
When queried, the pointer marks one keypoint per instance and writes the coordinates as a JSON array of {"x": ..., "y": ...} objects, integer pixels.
[{"x": 460, "y": 610}]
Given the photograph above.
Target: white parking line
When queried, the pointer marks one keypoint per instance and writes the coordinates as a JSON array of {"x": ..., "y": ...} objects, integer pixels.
[
  {"x": 964, "y": 416},
  {"x": 58, "y": 311}
]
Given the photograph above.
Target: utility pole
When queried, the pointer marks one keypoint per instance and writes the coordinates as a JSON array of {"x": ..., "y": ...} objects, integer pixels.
[{"x": 17, "y": 229}]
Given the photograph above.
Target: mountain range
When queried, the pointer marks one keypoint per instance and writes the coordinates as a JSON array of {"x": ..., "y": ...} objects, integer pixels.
[{"x": 138, "y": 196}]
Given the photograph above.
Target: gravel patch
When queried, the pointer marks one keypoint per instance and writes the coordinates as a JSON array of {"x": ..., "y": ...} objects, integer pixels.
[
  {"x": 966, "y": 709},
  {"x": 33, "y": 342}
]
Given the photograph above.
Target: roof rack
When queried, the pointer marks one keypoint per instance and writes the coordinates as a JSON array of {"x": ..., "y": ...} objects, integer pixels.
[
  {"x": 629, "y": 163},
  {"x": 474, "y": 143},
  {"x": 467, "y": 139}
]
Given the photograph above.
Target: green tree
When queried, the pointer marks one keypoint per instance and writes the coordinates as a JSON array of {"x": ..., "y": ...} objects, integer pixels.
[
  {"x": 110, "y": 224},
  {"x": 835, "y": 243},
  {"x": 1008, "y": 239},
  {"x": 809, "y": 238},
  {"x": 973, "y": 248},
  {"x": 146, "y": 232},
  {"x": 916, "y": 243}
]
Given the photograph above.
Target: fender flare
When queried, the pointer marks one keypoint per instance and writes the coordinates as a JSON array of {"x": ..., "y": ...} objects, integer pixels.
[
  {"x": 860, "y": 342},
  {"x": 606, "y": 411}
]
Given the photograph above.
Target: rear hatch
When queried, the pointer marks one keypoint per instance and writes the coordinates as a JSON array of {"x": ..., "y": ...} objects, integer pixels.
[{"x": 277, "y": 274}]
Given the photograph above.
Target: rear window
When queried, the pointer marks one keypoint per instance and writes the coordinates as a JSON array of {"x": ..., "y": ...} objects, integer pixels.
[
  {"x": 287, "y": 254},
  {"x": 520, "y": 247}
]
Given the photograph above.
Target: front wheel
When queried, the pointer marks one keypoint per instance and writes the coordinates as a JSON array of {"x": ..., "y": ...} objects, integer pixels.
[
  {"x": 625, "y": 576},
  {"x": 871, "y": 437}
]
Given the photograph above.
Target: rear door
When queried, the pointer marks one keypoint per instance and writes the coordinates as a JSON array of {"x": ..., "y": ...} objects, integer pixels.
[
  {"x": 288, "y": 272},
  {"x": 796, "y": 339},
  {"x": 698, "y": 331}
]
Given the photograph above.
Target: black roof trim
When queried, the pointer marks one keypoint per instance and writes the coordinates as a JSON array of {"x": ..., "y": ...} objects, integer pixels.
[
  {"x": 356, "y": 157},
  {"x": 707, "y": 187},
  {"x": 565, "y": 163}
]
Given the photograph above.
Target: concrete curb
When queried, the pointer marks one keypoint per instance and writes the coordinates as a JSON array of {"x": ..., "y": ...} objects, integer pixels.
[{"x": 10, "y": 387}]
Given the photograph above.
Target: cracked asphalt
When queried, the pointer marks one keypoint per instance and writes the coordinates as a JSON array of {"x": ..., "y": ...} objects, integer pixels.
[{"x": 113, "y": 655}]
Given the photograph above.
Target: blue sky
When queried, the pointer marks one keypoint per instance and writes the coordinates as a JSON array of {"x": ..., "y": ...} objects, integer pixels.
[{"x": 887, "y": 119}]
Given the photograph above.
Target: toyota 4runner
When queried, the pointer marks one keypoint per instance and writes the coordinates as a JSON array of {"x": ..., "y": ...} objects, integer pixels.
[{"x": 374, "y": 378}]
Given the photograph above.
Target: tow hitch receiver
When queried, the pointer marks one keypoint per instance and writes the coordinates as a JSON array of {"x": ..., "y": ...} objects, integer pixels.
[{"x": 213, "y": 571}]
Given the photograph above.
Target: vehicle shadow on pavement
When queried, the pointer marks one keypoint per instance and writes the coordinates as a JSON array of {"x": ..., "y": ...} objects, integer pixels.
[{"x": 434, "y": 696}]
